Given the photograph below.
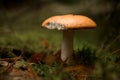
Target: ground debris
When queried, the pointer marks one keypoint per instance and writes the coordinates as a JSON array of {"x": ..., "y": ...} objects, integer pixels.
[
  {"x": 80, "y": 72},
  {"x": 44, "y": 65},
  {"x": 17, "y": 74},
  {"x": 17, "y": 70}
]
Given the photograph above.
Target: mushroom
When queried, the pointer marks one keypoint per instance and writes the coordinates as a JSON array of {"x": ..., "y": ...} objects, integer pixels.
[{"x": 68, "y": 23}]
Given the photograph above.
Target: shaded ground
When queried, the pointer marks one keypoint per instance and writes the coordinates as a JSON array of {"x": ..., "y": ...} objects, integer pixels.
[
  {"x": 26, "y": 64},
  {"x": 39, "y": 66}
]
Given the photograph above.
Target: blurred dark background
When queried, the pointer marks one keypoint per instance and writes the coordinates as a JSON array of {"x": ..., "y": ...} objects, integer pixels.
[{"x": 24, "y": 15}]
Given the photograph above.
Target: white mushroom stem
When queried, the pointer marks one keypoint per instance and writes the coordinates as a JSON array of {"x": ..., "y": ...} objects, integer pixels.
[{"x": 67, "y": 45}]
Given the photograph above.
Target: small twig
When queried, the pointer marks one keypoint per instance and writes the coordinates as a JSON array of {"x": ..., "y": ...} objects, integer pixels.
[
  {"x": 10, "y": 59},
  {"x": 109, "y": 45},
  {"x": 33, "y": 72},
  {"x": 115, "y": 51},
  {"x": 15, "y": 60}
]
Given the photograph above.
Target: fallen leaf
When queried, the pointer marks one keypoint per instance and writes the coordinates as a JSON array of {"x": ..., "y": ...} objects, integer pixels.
[
  {"x": 78, "y": 68},
  {"x": 44, "y": 43},
  {"x": 81, "y": 72},
  {"x": 81, "y": 77},
  {"x": 18, "y": 74},
  {"x": 58, "y": 56},
  {"x": 50, "y": 59},
  {"x": 37, "y": 57}
]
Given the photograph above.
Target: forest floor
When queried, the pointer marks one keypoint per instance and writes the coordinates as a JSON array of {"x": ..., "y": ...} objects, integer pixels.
[{"x": 31, "y": 56}]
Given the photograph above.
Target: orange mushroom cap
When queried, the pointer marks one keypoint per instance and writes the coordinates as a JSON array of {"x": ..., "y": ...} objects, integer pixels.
[{"x": 70, "y": 22}]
